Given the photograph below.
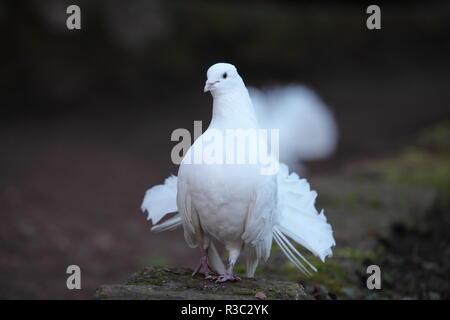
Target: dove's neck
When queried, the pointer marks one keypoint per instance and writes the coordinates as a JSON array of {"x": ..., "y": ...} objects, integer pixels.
[{"x": 233, "y": 109}]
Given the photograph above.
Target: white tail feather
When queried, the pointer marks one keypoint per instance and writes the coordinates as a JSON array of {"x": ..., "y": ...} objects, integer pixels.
[
  {"x": 300, "y": 221},
  {"x": 294, "y": 249},
  {"x": 168, "y": 225},
  {"x": 289, "y": 254},
  {"x": 251, "y": 260},
  {"x": 161, "y": 200}
]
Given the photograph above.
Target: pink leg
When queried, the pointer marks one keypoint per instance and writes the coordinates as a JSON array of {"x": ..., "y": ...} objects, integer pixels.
[{"x": 205, "y": 268}]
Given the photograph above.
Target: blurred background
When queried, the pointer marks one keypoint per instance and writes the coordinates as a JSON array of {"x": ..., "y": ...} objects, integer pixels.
[{"x": 86, "y": 118}]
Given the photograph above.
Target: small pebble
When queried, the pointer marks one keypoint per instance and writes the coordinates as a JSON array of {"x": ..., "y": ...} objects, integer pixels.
[{"x": 260, "y": 295}]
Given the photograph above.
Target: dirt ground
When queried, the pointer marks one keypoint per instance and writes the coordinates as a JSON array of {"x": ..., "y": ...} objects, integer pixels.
[{"x": 69, "y": 199}]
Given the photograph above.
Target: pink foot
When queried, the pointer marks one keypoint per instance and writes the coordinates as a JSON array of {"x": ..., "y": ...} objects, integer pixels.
[
  {"x": 227, "y": 277},
  {"x": 212, "y": 277}
]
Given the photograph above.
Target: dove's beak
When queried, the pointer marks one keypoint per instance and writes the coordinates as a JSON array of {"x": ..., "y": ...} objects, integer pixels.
[{"x": 209, "y": 86}]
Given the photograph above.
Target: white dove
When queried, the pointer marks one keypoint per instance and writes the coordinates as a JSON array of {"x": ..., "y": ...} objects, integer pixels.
[
  {"x": 235, "y": 204},
  {"x": 308, "y": 130}
]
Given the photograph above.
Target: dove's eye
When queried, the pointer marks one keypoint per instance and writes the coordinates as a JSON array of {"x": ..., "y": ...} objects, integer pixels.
[{"x": 224, "y": 75}]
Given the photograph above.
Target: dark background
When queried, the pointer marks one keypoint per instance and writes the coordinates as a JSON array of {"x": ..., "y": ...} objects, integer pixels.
[{"x": 86, "y": 116}]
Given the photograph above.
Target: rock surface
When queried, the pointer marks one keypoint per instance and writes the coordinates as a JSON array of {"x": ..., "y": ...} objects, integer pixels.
[{"x": 161, "y": 283}]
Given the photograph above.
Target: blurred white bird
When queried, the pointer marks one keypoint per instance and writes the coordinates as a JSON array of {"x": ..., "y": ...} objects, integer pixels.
[
  {"x": 308, "y": 130},
  {"x": 235, "y": 204}
]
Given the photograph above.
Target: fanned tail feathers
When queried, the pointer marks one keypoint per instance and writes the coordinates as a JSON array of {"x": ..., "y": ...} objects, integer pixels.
[{"x": 300, "y": 221}]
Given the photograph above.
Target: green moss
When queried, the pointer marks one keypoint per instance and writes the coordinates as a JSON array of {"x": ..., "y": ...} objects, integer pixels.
[
  {"x": 101, "y": 295},
  {"x": 436, "y": 139},
  {"x": 418, "y": 167},
  {"x": 155, "y": 282},
  {"x": 353, "y": 200},
  {"x": 357, "y": 256},
  {"x": 271, "y": 295},
  {"x": 349, "y": 200},
  {"x": 275, "y": 291},
  {"x": 331, "y": 274},
  {"x": 157, "y": 278},
  {"x": 275, "y": 248},
  {"x": 239, "y": 269},
  {"x": 425, "y": 163},
  {"x": 375, "y": 204}
]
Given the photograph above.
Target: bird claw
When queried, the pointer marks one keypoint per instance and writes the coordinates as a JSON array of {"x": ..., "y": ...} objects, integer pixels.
[
  {"x": 210, "y": 277},
  {"x": 205, "y": 268},
  {"x": 227, "y": 277}
]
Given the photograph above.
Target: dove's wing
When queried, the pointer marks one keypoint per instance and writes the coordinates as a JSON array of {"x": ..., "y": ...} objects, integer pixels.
[
  {"x": 189, "y": 216},
  {"x": 191, "y": 225},
  {"x": 260, "y": 220}
]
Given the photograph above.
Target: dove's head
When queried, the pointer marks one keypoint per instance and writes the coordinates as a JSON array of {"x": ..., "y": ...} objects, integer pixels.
[{"x": 223, "y": 78}]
